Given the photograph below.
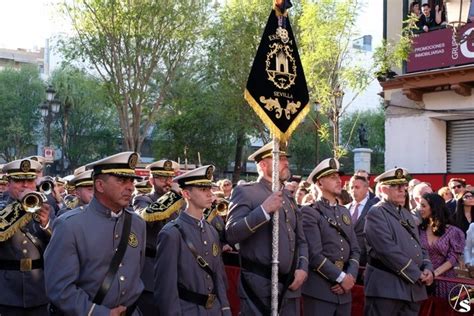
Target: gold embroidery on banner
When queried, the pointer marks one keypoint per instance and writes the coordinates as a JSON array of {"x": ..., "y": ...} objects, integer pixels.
[
  {"x": 283, "y": 75},
  {"x": 273, "y": 104}
]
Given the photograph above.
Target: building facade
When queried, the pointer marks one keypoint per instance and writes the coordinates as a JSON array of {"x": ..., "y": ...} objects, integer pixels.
[{"x": 429, "y": 105}]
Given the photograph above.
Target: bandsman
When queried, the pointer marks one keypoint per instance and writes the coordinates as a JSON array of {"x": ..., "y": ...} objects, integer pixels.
[
  {"x": 84, "y": 191},
  {"x": 332, "y": 246},
  {"x": 96, "y": 255},
  {"x": 156, "y": 216},
  {"x": 23, "y": 238},
  {"x": 398, "y": 268},
  {"x": 189, "y": 272},
  {"x": 249, "y": 225}
]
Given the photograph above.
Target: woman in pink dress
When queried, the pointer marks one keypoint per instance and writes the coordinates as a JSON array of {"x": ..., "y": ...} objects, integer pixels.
[{"x": 444, "y": 242}]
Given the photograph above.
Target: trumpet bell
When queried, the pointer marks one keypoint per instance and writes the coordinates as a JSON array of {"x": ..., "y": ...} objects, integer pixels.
[{"x": 33, "y": 201}]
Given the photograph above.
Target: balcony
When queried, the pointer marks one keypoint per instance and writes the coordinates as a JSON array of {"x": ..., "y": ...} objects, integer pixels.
[{"x": 438, "y": 49}]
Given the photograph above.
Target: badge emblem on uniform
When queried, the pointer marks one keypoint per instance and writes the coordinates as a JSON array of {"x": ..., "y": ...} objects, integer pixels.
[
  {"x": 332, "y": 164},
  {"x": 25, "y": 165},
  {"x": 346, "y": 219},
  {"x": 133, "y": 160},
  {"x": 209, "y": 172},
  {"x": 132, "y": 240},
  {"x": 168, "y": 166},
  {"x": 215, "y": 249},
  {"x": 399, "y": 173},
  {"x": 219, "y": 227}
]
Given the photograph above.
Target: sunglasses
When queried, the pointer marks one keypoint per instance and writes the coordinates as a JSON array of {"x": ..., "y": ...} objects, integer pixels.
[
  {"x": 456, "y": 187},
  {"x": 467, "y": 197}
]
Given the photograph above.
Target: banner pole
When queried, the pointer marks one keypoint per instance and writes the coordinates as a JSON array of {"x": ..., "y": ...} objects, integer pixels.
[{"x": 275, "y": 229}]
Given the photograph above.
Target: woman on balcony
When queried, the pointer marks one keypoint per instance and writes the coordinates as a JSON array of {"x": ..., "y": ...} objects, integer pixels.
[{"x": 444, "y": 243}]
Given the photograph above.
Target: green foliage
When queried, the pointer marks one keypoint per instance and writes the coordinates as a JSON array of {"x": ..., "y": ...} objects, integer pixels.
[
  {"x": 374, "y": 121},
  {"x": 135, "y": 47},
  {"x": 392, "y": 54},
  {"x": 87, "y": 124},
  {"x": 195, "y": 121},
  {"x": 327, "y": 29},
  {"x": 21, "y": 92}
]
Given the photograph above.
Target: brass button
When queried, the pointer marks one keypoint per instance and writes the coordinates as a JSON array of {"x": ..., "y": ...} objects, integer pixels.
[
  {"x": 342, "y": 249},
  {"x": 209, "y": 288},
  {"x": 287, "y": 220},
  {"x": 341, "y": 240},
  {"x": 207, "y": 276},
  {"x": 205, "y": 242},
  {"x": 24, "y": 242},
  {"x": 120, "y": 265},
  {"x": 123, "y": 292},
  {"x": 283, "y": 202},
  {"x": 206, "y": 253},
  {"x": 25, "y": 251},
  {"x": 292, "y": 249},
  {"x": 122, "y": 278},
  {"x": 116, "y": 236}
]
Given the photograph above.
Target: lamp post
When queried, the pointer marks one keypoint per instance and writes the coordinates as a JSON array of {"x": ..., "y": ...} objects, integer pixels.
[
  {"x": 457, "y": 15},
  {"x": 48, "y": 109},
  {"x": 338, "y": 96}
]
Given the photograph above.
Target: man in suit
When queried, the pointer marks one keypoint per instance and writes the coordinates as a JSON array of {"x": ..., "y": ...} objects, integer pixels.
[
  {"x": 398, "y": 267},
  {"x": 358, "y": 208},
  {"x": 249, "y": 225},
  {"x": 332, "y": 246}
]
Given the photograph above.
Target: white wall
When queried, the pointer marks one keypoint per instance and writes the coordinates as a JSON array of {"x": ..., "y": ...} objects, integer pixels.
[{"x": 416, "y": 140}]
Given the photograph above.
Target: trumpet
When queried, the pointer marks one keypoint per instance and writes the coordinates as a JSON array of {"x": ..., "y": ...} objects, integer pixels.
[
  {"x": 47, "y": 185},
  {"x": 71, "y": 201},
  {"x": 222, "y": 208},
  {"x": 33, "y": 201}
]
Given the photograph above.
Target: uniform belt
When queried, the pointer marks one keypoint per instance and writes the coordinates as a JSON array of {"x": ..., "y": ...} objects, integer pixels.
[
  {"x": 379, "y": 265},
  {"x": 25, "y": 264},
  {"x": 150, "y": 252},
  {"x": 261, "y": 270},
  {"x": 206, "y": 300}
]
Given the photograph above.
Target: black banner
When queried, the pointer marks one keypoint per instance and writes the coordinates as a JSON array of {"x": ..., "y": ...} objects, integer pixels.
[{"x": 276, "y": 88}]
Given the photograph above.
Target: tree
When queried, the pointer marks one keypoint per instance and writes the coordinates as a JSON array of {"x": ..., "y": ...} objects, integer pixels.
[
  {"x": 86, "y": 127},
  {"x": 135, "y": 47},
  {"x": 327, "y": 28},
  {"x": 21, "y": 91},
  {"x": 194, "y": 121},
  {"x": 374, "y": 120},
  {"x": 232, "y": 45}
]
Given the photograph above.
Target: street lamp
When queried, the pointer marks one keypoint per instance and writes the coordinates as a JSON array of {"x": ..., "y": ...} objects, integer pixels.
[
  {"x": 338, "y": 96},
  {"x": 49, "y": 108},
  {"x": 457, "y": 15}
]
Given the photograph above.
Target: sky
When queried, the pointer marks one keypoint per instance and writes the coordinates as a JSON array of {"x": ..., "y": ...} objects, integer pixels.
[{"x": 28, "y": 23}]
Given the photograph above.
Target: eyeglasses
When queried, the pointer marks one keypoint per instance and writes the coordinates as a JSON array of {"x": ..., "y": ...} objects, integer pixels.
[
  {"x": 456, "y": 187},
  {"x": 467, "y": 197}
]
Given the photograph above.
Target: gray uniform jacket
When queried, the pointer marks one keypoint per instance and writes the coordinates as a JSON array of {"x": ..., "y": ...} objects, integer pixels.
[
  {"x": 17, "y": 288},
  {"x": 78, "y": 258},
  {"x": 175, "y": 264},
  {"x": 248, "y": 226},
  {"x": 152, "y": 230},
  {"x": 328, "y": 250},
  {"x": 402, "y": 254}
]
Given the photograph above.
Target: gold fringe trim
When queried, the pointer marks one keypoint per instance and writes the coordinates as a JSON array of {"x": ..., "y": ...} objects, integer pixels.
[
  {"x": 283, "y": 137},
  {"x": 211, "y": 215},
  {"x": 160, "y": 216},
  {"x": 20, "y": 223}
]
